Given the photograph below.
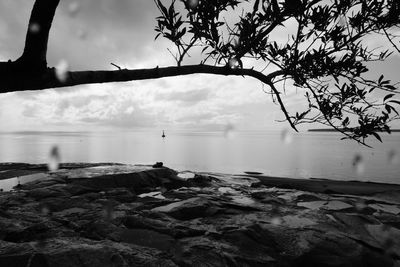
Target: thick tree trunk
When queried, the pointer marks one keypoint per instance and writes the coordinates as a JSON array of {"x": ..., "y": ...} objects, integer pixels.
[{"x": 37, "y": 36}]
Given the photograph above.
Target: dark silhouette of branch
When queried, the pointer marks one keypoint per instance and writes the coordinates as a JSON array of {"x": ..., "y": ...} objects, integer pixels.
[
  {"x": 329, "y": 122},
  {"x": 49, "y": 78},
  {"x": 115, "y": 65},
  {"x": 282, "y": 105},
  {"x": 391, "y": 41},
  {"x": 185, "y": 50}
]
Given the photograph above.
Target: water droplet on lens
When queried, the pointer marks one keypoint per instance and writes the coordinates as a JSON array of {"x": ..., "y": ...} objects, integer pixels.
[
  {"x": 73, "y": 8},
  {"x": 45, "y": 210},
  {"x": 286, "y": 136},
  {"x": 41, "y": 240},
  {"x": 62, "y": 71},
  {"x": 233, "y": 63},
  {"x": 229, "y": 131},
  {"x": 82, "y": 34},
  {"x": 34, "y": 27},
  {"x": 360, "y": 205},
  {"x": 276, "y": 221},
  {"x": 108, "y": 211},
  {"x": 192, "y": 4},
  {"x": 393, "y": 157},
  {"x": 236, "y": 42},
  {"x": 163, "y": 190},
  {"x": 54, "y": 159},
  {"x": 358, "y": 164}
]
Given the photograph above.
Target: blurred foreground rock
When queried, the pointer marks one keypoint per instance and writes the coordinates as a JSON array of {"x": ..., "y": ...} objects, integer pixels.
[{"x": 126, "y": 215}]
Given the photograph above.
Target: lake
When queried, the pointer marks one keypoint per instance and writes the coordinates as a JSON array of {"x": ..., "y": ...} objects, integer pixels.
[{"x": 304, "y": 155}]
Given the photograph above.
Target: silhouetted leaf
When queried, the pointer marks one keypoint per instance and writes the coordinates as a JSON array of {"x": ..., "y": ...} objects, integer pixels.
[
  {"x": 387, "y": 97},
  {"x": 377, "y": 136}
]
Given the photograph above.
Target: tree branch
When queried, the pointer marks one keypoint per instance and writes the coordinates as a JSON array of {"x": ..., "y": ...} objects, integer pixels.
[
  {"x": 49, "y": 78},
  {"x": 391, "y": 41},
  {"x": 185, "y": 50},
  {"x": 283, "y": 108}
]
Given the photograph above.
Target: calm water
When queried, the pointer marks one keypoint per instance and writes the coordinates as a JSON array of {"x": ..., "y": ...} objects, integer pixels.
[{"x": 318, "y": 155}]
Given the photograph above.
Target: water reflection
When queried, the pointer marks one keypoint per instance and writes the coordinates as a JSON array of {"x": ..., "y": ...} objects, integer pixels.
[{"x": 9, "y": 184}]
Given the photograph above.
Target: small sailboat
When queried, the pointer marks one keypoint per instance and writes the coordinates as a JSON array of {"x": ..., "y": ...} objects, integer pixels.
[{"x": 163, "y": 134}]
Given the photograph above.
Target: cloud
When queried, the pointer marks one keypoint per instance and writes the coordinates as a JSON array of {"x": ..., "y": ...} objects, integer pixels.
[
  {"x": 187, "y": 97},
  {"x": 171, "y": 102},
  {"x": 30, "y": 111},
  {"x": 100, "y": 106},
  {"x": 77, "y": 102},
  {"x": 130, "y": 117}
]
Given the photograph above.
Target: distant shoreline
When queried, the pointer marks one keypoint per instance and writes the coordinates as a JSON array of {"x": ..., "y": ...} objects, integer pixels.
[{"x": 333, "y": 130}]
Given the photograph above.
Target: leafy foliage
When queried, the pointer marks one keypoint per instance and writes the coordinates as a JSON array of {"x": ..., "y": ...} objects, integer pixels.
[{"x": 325, "y": 55}]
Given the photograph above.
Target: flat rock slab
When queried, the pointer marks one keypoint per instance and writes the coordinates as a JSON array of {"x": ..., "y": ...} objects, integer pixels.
[
  {"x": 313, "y": 205},
  {"x": 148, "y": 238},
  {"x": 176, "y": 205},
  {"x": 119, "y": 176},
  {"x": 99, "y": 171},
  {"x": 393, "y": 209},
  {"x": 295, "y": 221},
  {"x": 327, "y": 205}
]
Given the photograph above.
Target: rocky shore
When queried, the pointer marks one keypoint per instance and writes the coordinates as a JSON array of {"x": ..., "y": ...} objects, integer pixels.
[{"x": 130, "y": 215}]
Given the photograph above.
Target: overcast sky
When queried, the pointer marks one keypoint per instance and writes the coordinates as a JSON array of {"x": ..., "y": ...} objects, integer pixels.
[{"x": 91, "y": 34}]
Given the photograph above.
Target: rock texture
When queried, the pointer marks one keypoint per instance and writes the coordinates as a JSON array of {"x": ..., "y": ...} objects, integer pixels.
[{"x": 125, "y": 215}]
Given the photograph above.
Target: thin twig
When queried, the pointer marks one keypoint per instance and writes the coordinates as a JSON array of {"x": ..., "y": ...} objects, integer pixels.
[
  {"x": 115, "y": 65},
  {"x": 390, "y": 40},
  {"x": 283, "y": 108}
]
